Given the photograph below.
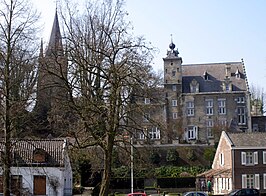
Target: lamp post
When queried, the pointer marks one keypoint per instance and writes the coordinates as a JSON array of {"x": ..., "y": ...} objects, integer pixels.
[{"x": 131, "y": 164}]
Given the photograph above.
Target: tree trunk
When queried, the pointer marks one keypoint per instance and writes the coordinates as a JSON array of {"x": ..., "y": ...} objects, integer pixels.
[{"x": 107, "y": 170}]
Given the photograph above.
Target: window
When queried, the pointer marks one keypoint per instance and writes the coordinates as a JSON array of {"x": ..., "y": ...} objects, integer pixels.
[
  {"x": 192, "y": 132},
  {"x": 241, "y": 100},
  {"x": 194, "y": 86},
  {"x": 174, "y": 87},
  {"x": 264, "y": 157},
  {"x": 222, "y": 106},
  {"x": 39, "y": 185},
  {"x": 241, "y": 112},
  {"x": 146, "y": 117},
  {"x": 209, "y": 125},
  {"x": 209, "y": 106},
  {"x": 16, "y": 184},
  {"x": 39, "y": 156},
  {"x": 174, "y": 115},
  {"x": 142, "y": 134},
  {"x": 249, "y": 158},
  {"x": 222, "y": 122},
  {"x": 221, "y": 159},
  {"x": 264, "y": 181},
  {"x": 173, "y": 73},
  {"x": 174, "y": 102},
  {"x": 251, "y": 181},
  {"x": 147, "y": 100},
  {"x": 154, "y": 133},
  {"x": 190, "y": 108}
]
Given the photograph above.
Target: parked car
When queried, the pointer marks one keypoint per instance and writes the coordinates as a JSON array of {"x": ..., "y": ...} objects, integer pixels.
[
  {"x": 137, "y": 194},
  {"x": 246, "y": 192},
  {"x": 195, "y": 193}
]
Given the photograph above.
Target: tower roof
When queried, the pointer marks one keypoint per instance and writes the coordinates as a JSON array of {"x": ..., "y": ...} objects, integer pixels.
[{"x": 55, "y": 42}]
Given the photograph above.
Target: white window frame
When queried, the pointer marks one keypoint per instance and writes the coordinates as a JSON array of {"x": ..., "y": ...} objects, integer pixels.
[
  {"x": 241, "y": 99},
  {"x": 142, "y": 134},
  {"x": 190, "y": 108},
  {"x": 241, "y": 113},
  {"x": 154, "y": 133},
  {"x": 209, "y": 126},
  {"x": 174, "y": 88},
  {"x": 222, "y": 106},
  {"x": 174, "y": 102},
  {"x": 264, "y": 181},
  {"x": 147, "y": 100},
  {"x": 192, "y": 132},
  {"x": 264, "y": 157},
  {"x": 251, "y": 181},
  {"x": 209, "y": 106},
  {"x": 222, "y": 159},
  {"x": 175, "y": 115},
  {"x": 249, "y": 158}
]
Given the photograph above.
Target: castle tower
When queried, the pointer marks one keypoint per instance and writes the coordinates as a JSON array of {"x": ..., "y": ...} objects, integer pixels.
[
  {"x": 173, "y": 91},
  {"x": 52, "y": 74}
]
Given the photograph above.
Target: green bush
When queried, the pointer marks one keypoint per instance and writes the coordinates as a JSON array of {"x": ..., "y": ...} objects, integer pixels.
[
  {"x": 155, "y": 158},
  {"x": 172, "y": 156},
  {"x": 191, "y": 155}
]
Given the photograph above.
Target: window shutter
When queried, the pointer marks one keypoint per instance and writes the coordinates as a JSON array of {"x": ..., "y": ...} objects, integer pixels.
[
  {"x": 243, "y": 158},
  {"x": 257, "y": 181},
  {"x": 264, "y": 157},
  {"x": 244, "y": 181},
  {"x": 195, "y": 132},
  {"x": 264, "y": 181},
  {"x": 255, "y": 155}
]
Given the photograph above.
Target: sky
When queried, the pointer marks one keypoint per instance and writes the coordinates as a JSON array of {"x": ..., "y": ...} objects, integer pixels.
[{"x": 204, "y": 31}]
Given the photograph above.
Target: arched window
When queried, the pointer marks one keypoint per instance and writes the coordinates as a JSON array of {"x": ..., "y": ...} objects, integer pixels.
[{"x": 39, "y": 156}]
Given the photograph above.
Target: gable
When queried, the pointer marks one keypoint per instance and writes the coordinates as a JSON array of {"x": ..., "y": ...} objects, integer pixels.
[{"x": 223, "y": 155}]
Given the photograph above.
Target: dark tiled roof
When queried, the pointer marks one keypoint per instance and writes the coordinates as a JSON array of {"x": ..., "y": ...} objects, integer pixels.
[
  {"x": 23, "y": 151},
  {"x": 254, "y": 139},
  {"x": 216, "y": 73}
]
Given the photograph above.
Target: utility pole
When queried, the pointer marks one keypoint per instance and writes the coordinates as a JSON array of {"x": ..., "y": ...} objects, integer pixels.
[{"x": 131, "y": 164}]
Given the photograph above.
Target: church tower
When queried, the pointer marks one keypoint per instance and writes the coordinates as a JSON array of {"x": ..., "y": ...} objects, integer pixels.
[
  {"x": 173, "y": 91},
  {"x": 51, "y": 94}
]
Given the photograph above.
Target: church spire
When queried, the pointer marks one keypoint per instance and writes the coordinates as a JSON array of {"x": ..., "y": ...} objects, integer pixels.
[
  {"x": 41, "y": 50},
  {"x": 55, "y": 42}
]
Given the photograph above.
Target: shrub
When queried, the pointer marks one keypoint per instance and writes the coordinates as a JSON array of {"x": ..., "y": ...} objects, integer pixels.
[
  {"x": 191, "y": 155},
  {"x": 155, "y": 158},
  {"x": 172, "y": 156}
]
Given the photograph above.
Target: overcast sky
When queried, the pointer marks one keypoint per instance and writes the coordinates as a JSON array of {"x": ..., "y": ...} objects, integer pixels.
[{"x": 204, "y": 31}]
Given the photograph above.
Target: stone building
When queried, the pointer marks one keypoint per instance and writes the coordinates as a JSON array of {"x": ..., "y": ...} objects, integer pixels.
[
  {"x": 201, "y": 100},
  {"x": 51, "y": 96}
]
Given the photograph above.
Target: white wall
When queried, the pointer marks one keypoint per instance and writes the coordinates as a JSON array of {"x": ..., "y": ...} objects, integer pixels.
[{"x": 51, "y": 173}]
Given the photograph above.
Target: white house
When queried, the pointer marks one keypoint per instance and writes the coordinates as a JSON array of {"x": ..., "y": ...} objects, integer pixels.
[{"x": 40, "y": 167}]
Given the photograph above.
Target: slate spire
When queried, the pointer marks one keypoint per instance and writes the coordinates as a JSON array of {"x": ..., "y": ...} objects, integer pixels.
[{"x": 55, "y": 42}]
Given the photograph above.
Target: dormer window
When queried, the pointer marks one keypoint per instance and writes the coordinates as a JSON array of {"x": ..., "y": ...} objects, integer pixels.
[
  {"x": 206, "y": 75},
  {"x": 238, "y": 74},
  {"x": 227, "y": 85},
  {"x": 39, "y": 156},
  {"x": 194, "y": 86}
]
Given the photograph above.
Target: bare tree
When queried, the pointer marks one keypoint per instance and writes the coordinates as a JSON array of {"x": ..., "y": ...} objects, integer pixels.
[
  {"x": 257, "y": 100},
  {"x": 17, "y": 71},
  {"x": 107, "y": 65}
]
